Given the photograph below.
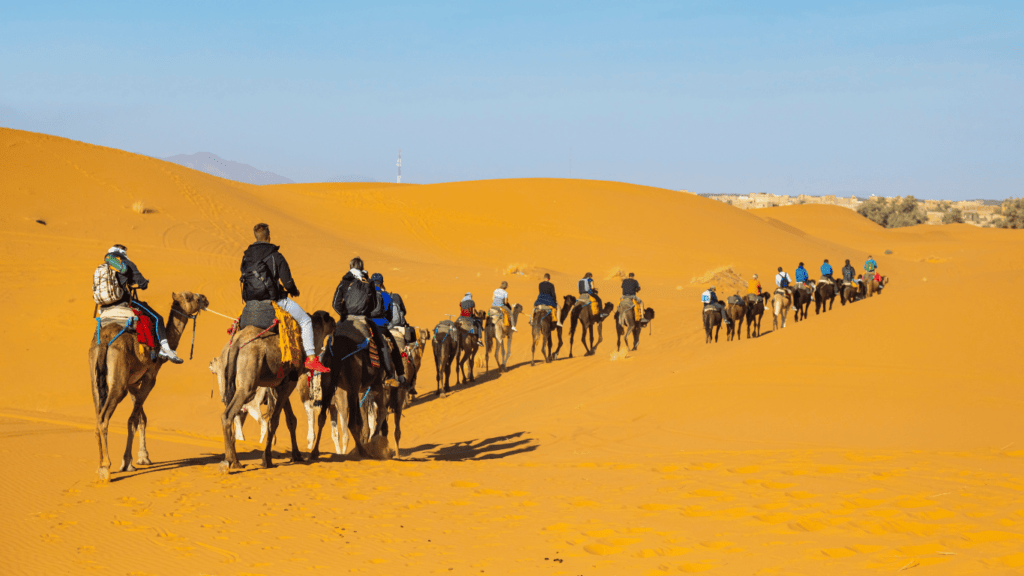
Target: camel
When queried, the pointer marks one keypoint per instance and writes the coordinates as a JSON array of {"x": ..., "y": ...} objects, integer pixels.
[
  {"x": 120, "y": 366},
  {"x": 872, "y": 286},
  {"x": 398, "y": 396},
  {"x": 499, "y": 337},
  {"x": 755, "y": 310},
  {"x": 253, "y": 408},
  {"x": 849, "y": 292},
  {"x": 712, "y": 320},
  {"x": 543, "y": 324},
  {"x": 252, "y": 359},
  {"x": 468, "y": 345},
  {"x": 626, "y": 324},
  {"x": 736, "y": 312},
  {"x": 781, "y": 301},
  {"x": 446, "y": 346},
  {"x": 824, "y": 291},
  {"x": 587, "y": 320},
  {"x": 352, "y": 382},
  {"x": 801, "y": 295}
]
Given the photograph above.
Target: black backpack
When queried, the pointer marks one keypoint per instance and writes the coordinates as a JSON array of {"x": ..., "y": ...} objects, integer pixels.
[
  {"x": 259, "y": 282},
  {"x": 362, "y": 299},
  {"x": 784, "y": 282},
  {"x": 397, "y": 313}
]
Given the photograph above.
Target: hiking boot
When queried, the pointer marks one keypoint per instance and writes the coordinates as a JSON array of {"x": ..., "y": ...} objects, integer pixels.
[
  {"x": 167, "y": 354},
  {"x": 313, "y": 363},
  {"x": 402, "y": 381}
]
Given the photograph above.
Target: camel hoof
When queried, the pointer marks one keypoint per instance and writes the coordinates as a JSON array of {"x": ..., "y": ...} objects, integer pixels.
[
  {"x": 126, "y": 466},
  {"x": 143, "y": 461},
  {"x": 315, "y": 455},
  {"x": 268, "y": 465},
  {"x": 233, "y": 465},
  {"x": 104, "y": 474},
  {"x": 297, "y": 459}
]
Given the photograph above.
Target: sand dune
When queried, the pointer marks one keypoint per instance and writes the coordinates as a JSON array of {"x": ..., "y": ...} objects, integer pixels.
[{"x": 874, "y": 437}]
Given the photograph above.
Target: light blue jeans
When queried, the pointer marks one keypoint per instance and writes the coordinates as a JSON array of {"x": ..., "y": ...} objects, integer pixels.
[{"x": 305, "y": 323}]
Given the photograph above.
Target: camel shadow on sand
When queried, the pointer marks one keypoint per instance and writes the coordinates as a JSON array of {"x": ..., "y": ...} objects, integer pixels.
[
  {"x": 254, "y": 456},
  {"x": 489, "y": 449},
  {"x": 428, "y": 387}
]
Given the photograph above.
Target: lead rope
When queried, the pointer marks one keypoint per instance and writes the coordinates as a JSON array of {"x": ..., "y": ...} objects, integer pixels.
[{"x": 193, "y": 349}]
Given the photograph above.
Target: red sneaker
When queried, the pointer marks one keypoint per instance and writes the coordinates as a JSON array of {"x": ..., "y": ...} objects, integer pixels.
[{"x": 313, "y": 363}]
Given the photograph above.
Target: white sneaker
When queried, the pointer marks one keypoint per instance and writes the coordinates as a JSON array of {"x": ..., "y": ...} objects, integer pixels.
[
  {"x": 167, "y": 354},
  {"x": 514, "y": 329}
]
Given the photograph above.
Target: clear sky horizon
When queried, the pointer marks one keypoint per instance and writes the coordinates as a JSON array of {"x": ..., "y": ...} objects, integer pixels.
[{"x": 714, "y": 97}]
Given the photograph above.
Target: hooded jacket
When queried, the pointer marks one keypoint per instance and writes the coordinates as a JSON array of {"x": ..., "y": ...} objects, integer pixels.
[
  {"x": 849, "y": 273},
  {"x": 284, "y": 285}
]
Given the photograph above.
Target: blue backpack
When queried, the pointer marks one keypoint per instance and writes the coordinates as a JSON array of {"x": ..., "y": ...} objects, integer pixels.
[{"x": 784, "y": 283}]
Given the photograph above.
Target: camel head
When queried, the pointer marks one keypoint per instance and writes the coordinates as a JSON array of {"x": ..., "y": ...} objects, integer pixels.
[
  {"x": 189, "y": 302},
  {"x": 569, "y": 300},
  {"x": 608, "y": 309},
  {"x": 649, "y": 314},
  {"x": 423, "y": 336}
]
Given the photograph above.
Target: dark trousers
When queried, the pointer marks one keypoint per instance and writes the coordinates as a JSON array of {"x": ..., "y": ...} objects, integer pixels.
[
  {"x": 391, "y": 356},
  {"x": 158, "y": 320}
]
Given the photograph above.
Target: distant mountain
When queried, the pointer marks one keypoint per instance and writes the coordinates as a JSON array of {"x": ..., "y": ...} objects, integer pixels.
[{"x": 212, "y": 164}]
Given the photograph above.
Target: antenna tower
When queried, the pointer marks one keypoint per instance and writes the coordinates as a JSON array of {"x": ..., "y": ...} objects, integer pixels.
[{"x": 399, "y": 165}]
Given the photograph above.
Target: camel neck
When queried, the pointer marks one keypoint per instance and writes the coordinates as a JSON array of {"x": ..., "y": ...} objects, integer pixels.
[{"x": 177, "y": 321}]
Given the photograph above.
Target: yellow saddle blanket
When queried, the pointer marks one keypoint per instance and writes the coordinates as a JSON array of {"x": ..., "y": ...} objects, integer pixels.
[{"x": 289, "y": 337}]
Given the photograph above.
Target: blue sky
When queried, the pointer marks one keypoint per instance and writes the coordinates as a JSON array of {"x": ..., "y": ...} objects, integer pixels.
[{"x": 716, "y": 97}]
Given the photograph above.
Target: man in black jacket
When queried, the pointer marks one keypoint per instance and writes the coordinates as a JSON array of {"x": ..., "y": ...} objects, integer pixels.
[
  {"x": 132, "y": 277},
  {"x": 357, "y": 296},
  {"x": 849, "y": 272},
  {"x": 630, "y": 287},
  {"x": 263, "y": 260}
]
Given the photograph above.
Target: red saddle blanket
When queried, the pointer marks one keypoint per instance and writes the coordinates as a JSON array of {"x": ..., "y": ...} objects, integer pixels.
[{"x": 144, "y": 330}]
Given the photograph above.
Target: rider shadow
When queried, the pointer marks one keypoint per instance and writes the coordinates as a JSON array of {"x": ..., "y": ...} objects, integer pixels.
[{"x": 489, "y": 449}]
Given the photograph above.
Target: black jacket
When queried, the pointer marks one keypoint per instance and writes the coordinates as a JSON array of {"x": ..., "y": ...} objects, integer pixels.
[
  {"x": 131, "y": 277},
  {"x": 355, "y": 297},
  {"x": 849, "y": 273},
  {"x": 278, "y": 266},
  {"x": 630, "y": 287}
]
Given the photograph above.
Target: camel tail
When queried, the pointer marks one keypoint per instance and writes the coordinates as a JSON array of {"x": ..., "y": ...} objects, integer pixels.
[
  {"x": 230, "y": 371},
  {"x": 99, "y": 375}
]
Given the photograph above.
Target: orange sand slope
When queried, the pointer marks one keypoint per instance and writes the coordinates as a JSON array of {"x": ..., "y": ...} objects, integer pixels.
[{"x": 875, "y": 437}]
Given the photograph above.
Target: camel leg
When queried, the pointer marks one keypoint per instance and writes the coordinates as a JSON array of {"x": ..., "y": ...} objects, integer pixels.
[
  {"x": 275, "y": 419},
  {"x": 339, "y": 419},
  {"x": 600, "y": 336},
  {"x": 507, "y": 347},
  {"x": 316, "y": 430},
  {"x": 134, "y": 422},
  {"x": 118, "y": 390},
  {"x": 308, "y": 405},
  {"x": 399, "y": 401},
  {"x": 291, "y": 421},
  {"x": 636, "y": 336},
  {"x": 355, "y": 421},
  {"x": 227, "y": 420},
  {"x": 239, "y": 420}
]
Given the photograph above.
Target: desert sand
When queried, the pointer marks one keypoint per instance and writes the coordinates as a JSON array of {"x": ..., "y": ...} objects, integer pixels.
[{"x": 878, "y": 437}]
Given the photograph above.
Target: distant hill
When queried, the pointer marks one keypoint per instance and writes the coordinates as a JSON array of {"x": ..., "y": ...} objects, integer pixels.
[
  {"x": 212, "y": 164},
  {"x": 351, "y": 178}
]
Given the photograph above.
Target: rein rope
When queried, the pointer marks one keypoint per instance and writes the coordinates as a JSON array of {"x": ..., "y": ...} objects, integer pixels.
[
  {"x": 256, "y": 337},
  {"x": 194, "y": 318}
]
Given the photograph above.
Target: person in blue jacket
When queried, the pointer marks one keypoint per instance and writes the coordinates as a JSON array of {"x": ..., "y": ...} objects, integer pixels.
[
  {"x": 826, "y": 270},
  {"x": 378, "y": 283},
  {"x": 801, "y": 274}
]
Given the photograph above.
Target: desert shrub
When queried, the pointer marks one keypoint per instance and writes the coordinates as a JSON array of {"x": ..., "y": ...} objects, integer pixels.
[
  {"x": 1012, "y": 211},
  {"x": 953, "y": 216},
  {"x": 895, "y": 214}
]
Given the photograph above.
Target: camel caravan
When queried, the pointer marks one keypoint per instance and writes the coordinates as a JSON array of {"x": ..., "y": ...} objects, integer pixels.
[
  {"x": 357, "y": 369},
  {"x": 787, "y": 295}
]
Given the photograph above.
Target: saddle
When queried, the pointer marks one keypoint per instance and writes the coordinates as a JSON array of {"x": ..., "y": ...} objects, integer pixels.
[
  {"x": 130, "y": 320},
  {"x": 827, "y": 280},
  {"x": 752, "y": 298},
  {"x": 258, "y": 313},
  {"x": 500, "y": 313},
  {"x": 782, "y": 291},
  {"x": 710, "y": 308},
  {"x": 734, "y": 299},
  {"x": 586, "y": 299},
  {"x": 466, "y": 323},
  {"x": 551, "y": 311}
]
